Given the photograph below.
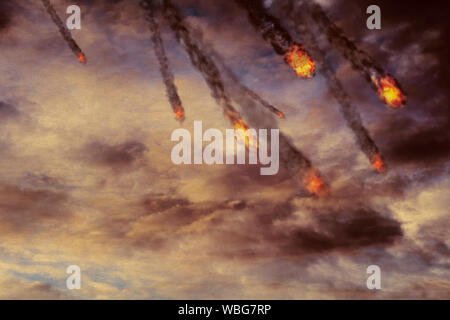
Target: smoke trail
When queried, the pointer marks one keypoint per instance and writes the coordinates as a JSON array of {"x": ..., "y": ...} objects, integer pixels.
[
  {"x": 160, "y": 52},
  {"x": 64, "y": 31},
  {"x": 231, "y": 79},
  {"x": 271, "y": 30},
  {"x": 244, "y": 90},
  {"x": 200, "y": 60},
  {"x": 387, "y": 88},
  {"x": 294, "y": 160},
  {"x": 347, "y": 109}
]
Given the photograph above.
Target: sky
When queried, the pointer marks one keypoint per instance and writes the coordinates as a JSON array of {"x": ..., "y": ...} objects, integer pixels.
[{"x": 86, "y": 176}]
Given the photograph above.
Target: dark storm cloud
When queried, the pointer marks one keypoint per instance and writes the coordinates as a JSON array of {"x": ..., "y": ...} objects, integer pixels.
[
  {"x": 7, "y": 110},
  {"x": 118, "y": 156},
  {"x": 409, "y": 141},
  {"x": 5, "y": 15},
  {"x": 155, "y": 220},
  {"x": 22, "y": 208},
  {"x": 275, "y": 230}
]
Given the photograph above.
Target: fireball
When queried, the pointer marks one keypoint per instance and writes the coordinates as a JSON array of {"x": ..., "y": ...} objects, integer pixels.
[
  {"x": 378, "y": 163},
  {"x": 179, "y": 113},
  {"x": 389, "y": 91},
  {"x": 301, "y": 62},
  {"x": 82, "y": 57},
  {"x": 242, "y": 128},
  {"x": 314, "y": 183}
]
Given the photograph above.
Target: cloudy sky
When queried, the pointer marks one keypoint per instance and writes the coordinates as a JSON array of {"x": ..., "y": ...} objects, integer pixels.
[{"x": 86, "y": 177}]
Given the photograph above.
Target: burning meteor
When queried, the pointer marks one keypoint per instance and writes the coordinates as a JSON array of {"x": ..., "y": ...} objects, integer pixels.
[
  {"x": 64, "y": 32},
  {"x": 314, "y": 183},
  {"x": 301, "y": 62},
  {"x": 242, "y": 129},
  {"x": 386, "y": 86},
  {"x": 389, "y": 91},
  {"x": 160, "y": 52},
  {"x": 82, "y": 57},
  {"x": 295, "y": 55},
  {"x": 378, "y": 163},
  {"x": 179, "y": 113}
]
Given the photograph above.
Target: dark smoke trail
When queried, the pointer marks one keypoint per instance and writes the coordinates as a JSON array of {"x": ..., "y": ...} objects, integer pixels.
[
  {"x": 199, "y": 59},
  {"x": 293, "y": 159},
  {"x": 243, "y": 88},
  {"x": 64, "y": 31},
  {"x": 231, "y": 79},
  {"x": 271, "y": 30},
  {"x": 164, "y": 68},
  {"x": 384, "y": 84},
  {"x": 351, "y": 115}
]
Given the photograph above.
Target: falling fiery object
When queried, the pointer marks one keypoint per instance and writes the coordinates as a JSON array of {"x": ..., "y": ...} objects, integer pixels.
[
  {"x": 64, "y": 31},
  {"x": 274, "y": 33},
  {"x": 179, "y": 113},
  {"x": 378, "y": 163},
  {"x": 82, "y": 57},
  {"x": 301, "y": 62},
  {"x": 314, "y": 183},
  {"x": 150, "y": 9},
  {"x": 389, "y": 91},
  {"x": 242, "y": 129}
]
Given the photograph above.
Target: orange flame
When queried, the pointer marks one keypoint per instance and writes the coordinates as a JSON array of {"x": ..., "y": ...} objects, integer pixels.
[
  {"x": 389, "y": 91},
  {"x": 314, "y": 183},
  {"x": 82, "y": 57},
  {"x": 301, "y": 62},
  {"x": 280, "y": 114},
  {"x": 378, "y": 163},
  {"x": 242, "y": 128},
  {"x": 179, "y": 113}
]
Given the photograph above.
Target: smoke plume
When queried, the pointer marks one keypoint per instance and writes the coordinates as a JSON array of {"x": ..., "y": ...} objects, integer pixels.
[
  {"x": 160, "y": 52},
  {"x": 64, "y": 31}
]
